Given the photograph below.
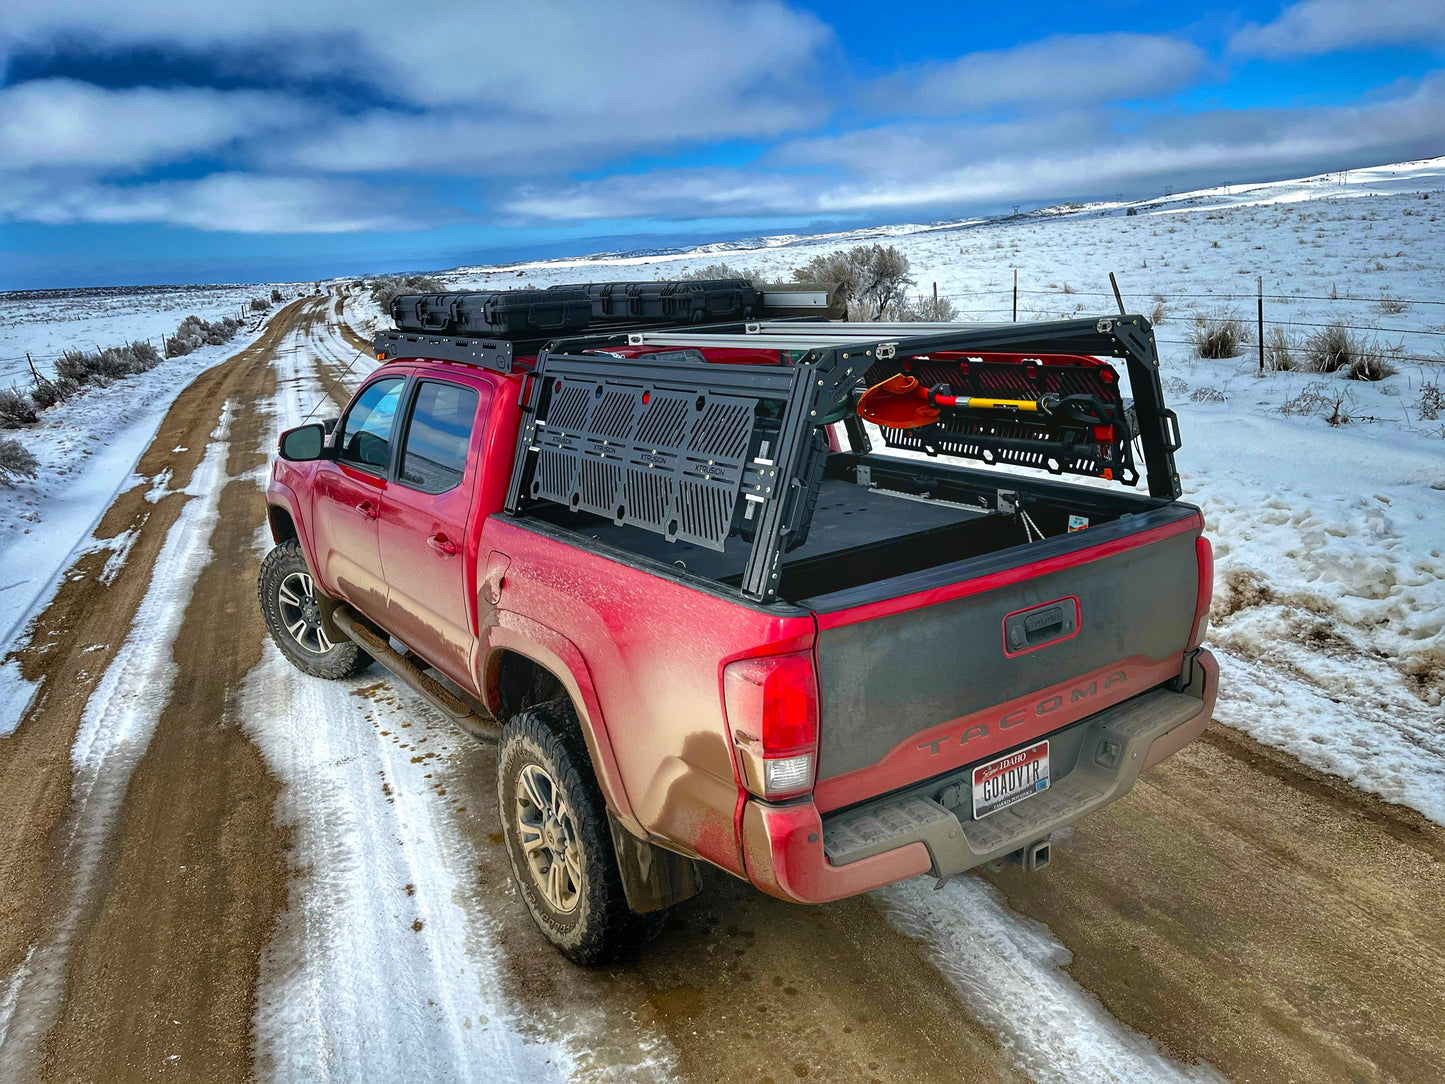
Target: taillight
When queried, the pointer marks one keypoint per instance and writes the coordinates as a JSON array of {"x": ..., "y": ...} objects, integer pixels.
[
  {"x": 1204, "y": 555},
  {"x": 772, "y": 711}
]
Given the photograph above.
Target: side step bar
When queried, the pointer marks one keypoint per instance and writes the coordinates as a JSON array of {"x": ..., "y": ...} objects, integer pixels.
[{"x": 410, "y": 668}]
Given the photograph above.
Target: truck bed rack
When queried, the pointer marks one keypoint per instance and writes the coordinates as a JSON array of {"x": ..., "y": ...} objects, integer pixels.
[{"x": 701, "y": 452}]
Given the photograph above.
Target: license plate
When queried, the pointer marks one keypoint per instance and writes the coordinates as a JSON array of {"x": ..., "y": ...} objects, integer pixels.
[{"x": 1002, "y": 782}]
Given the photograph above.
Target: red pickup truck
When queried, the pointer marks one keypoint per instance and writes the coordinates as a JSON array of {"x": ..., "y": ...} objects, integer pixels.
[{"x": 714, "y": 614}]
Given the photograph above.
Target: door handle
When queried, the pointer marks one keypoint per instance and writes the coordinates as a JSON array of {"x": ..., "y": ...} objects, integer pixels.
[
  {"x": 442, "y": 544},
  {"x": 367, "y": 509}
]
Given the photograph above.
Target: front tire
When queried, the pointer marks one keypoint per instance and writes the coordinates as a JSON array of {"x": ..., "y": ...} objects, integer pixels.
[
  {"x": 554, "y": 823},
  {"x": 291, "y": 608}
]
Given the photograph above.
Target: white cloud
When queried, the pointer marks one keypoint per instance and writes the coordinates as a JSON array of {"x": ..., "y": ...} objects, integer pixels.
[
  {"x": 62, "y": 122},
  {"x": 914, "y": 169},
  {"x": 644, "y": 60},
  {"x": 473, "y": 143},
  {"x": 235, "y": 202},
  {"x": 1323, "y": 26},
  {"x": 1061, "y": 70}
]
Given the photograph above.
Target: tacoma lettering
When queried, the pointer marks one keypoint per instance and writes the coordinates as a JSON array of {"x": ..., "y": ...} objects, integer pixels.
[{"x": 1018, "y": 715}]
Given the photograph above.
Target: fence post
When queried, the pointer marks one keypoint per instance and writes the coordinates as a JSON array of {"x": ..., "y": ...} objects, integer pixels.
[
  {"x": 1261, "y": 325},
  {"x": 1016, "y": 295},
  {"x": 935, "y": 297}
]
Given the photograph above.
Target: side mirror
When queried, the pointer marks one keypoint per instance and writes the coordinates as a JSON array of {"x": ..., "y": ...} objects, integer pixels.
[{"x": 304, "y": 443}]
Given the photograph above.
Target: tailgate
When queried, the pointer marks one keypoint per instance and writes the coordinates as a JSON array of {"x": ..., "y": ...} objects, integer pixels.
[{"x": 941, "y": 674}]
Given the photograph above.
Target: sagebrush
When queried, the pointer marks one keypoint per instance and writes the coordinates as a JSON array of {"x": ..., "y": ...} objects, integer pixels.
[
  {"x": 16, "y": 409},
  {"x": 16, "y": 462},
  {"x": 870, "y": 278},
  {"x": 104, "y": 367},
  {"x": 385, "y": 290},
  {"x": 724, "y": 271}
]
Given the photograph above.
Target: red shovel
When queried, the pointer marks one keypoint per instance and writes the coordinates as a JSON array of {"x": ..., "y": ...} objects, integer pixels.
[{"x": 900, "y": 402}]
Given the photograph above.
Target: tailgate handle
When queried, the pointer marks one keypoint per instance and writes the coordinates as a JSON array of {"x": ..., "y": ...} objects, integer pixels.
[{"x": 1050, "y": 622}]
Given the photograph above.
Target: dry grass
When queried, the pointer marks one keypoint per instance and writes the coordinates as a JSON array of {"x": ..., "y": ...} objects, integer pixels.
[
  {"x": 1218, "y": 336},
  {"x": 1279, "y": 350}
]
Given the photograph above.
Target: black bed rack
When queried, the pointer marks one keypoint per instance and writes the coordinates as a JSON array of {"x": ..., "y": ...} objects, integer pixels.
[{"x": 702, "y": 452}]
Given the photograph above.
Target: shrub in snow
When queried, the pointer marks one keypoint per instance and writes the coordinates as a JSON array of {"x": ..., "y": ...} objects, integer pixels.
[
  {"x": 108, "y": 365},
  {"x": 725, "y": 271},
  {"x": 385, "y": 290},
  {"x": 48, "y": 393},
  {"x": 928, "y": 308},
  {"x": 1392, "y": 306},
  {"x": 1430, "y": 402},
  {"x": 259, "y": 304},
  {"x": 16, "y": 462},
  {"x": 16, "y": 409},
  {"x": 276, "y": 295},
  {"x": 194, "y": 333},
  {"x": 1217, "y": 336},
  {"x": 873, "y": 276},
  {"x": 1159, "y": 313}
]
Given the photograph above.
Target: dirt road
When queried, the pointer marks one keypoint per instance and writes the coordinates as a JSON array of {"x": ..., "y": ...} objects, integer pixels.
[{"x": 182, "y": 823}]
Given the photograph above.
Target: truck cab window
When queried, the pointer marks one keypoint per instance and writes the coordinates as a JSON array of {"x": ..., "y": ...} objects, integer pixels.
[
  {"x": 365, "y": 438},
  {"x": 435, "y": 454}
]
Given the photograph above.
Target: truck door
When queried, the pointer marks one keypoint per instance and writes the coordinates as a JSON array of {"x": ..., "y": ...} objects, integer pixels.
[
  {"x": 431, "y": 578},
  {"x": 350, "y": 494}
]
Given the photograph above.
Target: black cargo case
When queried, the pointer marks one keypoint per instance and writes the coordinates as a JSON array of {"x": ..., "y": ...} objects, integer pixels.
[
  {"x": 496, "y": 314},
  {"x": 677, "y": 302}
]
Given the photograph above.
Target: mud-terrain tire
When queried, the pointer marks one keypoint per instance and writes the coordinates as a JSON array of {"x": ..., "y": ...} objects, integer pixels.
[
  {"x": 288, "y": 601},
  {"x": 547, "y": 793}
]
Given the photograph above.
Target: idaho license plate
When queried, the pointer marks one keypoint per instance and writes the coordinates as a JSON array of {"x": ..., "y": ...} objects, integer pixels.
[{"x": 1002, "y": 782}]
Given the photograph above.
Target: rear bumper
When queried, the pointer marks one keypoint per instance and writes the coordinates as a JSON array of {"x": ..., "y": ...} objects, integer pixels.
[{"x": 794, "y": 853}]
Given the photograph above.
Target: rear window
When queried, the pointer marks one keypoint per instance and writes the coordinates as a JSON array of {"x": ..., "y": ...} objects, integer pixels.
[{"x": 434, "y": 457}]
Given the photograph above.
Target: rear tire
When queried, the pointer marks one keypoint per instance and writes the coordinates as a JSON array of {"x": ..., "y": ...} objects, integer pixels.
[
  {"x": 289, "y": 606},
  {"x": 554, "y": 823}
]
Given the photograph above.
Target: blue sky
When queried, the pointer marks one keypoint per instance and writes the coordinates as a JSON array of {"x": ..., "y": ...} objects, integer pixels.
[{"x": 256, "y": 140}]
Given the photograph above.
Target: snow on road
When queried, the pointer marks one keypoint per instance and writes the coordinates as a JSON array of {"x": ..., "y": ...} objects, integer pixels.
[
  {"x": 119, "y": 720},
  {"x": 1008, "y": 971}
]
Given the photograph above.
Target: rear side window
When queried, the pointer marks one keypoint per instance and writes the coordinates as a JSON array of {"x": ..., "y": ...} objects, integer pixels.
[
  {"x": 366, "y": 432},
  {"x": 435, "y": 455}
]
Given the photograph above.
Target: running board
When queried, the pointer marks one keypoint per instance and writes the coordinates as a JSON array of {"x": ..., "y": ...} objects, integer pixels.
[{"x": 409, "y": 668}]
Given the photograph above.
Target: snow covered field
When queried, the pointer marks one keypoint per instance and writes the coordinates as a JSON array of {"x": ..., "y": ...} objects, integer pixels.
[{"x": 46, "y": 323}]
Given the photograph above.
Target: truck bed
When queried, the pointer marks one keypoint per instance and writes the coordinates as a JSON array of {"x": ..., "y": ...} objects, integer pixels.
[{"x": 915, "y": 517}]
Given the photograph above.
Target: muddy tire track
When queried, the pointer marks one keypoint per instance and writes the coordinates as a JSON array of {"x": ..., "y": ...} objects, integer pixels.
[{"x": 1243, "y": 909}]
